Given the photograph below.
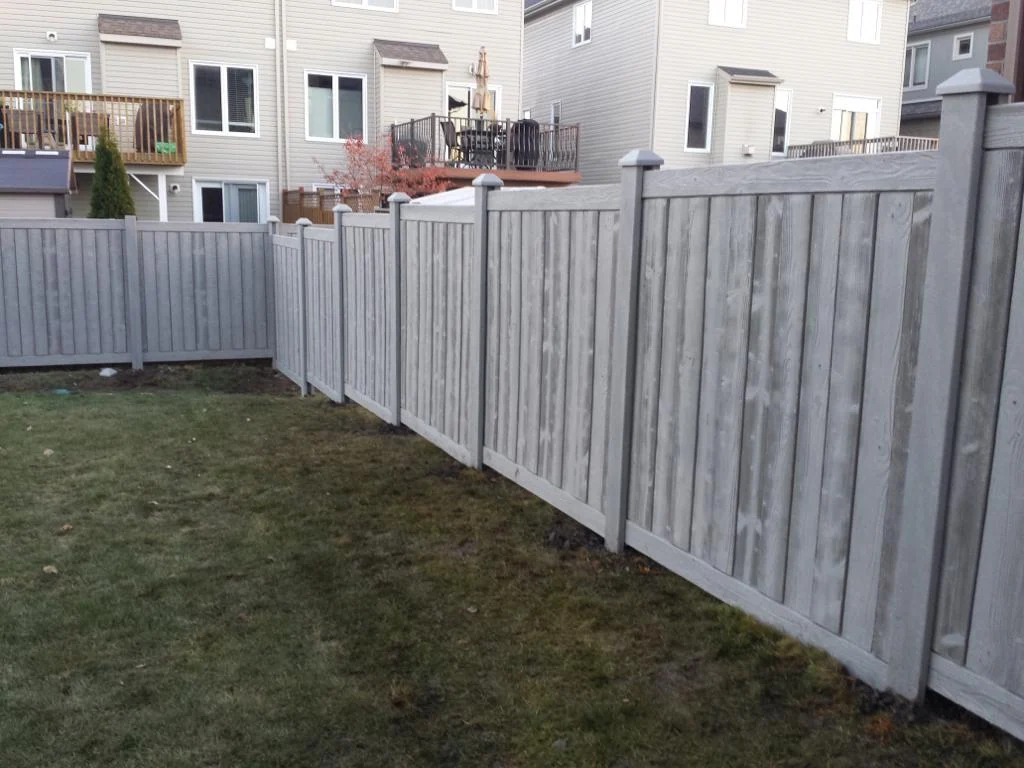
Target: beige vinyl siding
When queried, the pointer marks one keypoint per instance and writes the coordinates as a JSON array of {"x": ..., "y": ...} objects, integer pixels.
[
  {"x": 804, "y": 43},
  {"x": 140, "y": 70},
  {"x": 146, "y": 206},
  {"x": 27, "y": 206},
  {"x": 460, "y": 35},
  {"x": 605, "y": 85},
  {"x": 409, "y": 93},
  {"x": 749, "y": 121}
]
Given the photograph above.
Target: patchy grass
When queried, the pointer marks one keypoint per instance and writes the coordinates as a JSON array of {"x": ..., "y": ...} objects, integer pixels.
[{"x": 258, "y": 580}]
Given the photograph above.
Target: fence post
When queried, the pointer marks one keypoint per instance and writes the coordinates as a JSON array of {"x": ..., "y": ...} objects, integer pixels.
[
  {"x": 339, "y": 245},
  {"x": 478, "y": 320},
  {"x": 395, "y": 203},
  {"x": 623, "y": 372},
  {"x": 966, "y": 97},
  {"x": 302, "y": 224},
  {"x": 133, "y": 276},
  {"x": 272, "y": 222}
]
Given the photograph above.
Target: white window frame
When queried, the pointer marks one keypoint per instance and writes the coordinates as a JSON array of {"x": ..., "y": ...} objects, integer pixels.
[
  {"x": 957, "y": 56},
  {"x": 721, "y": 19},
  {"x": 789, "y": 122},
  {"x": 584, "y": 7},
  {"x": 915, "y": 48},
  {"x": 857, "y": 6},
  {"x": 851, "y": 102},
  {"x": 711, "y": 117},
  {"x": 474, "y": 8},
  {"x": 262, "y": 195},
  {"x": 225, "y": 118},
  {"x": 470, "y": 86},
  {"x": 334, "y": 105},
  {"x": 19, "y": 52},
  {"x": 362, "y": 4}
]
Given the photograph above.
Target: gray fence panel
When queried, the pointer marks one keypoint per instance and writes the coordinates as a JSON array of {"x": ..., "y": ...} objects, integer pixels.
[
  {"x": 64, "y": 293},
  {"x": 288, "y": 318},
  {"x": 324, "y": 308}
]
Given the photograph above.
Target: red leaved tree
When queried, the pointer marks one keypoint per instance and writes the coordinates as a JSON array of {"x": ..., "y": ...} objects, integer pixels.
[{"x": 372, "y": 173}]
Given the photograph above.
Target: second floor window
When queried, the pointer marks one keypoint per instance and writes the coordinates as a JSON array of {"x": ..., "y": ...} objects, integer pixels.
[
  {"x": 582, "y": 15},
  {"x": 728, "y": 13},
  {"x": 335, "y": 107},
  {"x": 865, "y": 24},
  {"x": 698, "y": 117},
  {"x": 915, "y": 73},
  {"x": 223, "y": 99},
  {"x": 485, "y": 6}
]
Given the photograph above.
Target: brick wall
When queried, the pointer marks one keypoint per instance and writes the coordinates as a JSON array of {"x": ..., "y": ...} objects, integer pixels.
[{"x": 997, "y": 36}]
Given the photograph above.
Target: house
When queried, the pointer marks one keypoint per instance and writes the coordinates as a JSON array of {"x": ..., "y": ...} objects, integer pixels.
[
  {"x": 713, "y": 81},
  {"x": 943, "y": 37},
  {"x": 1006, "y": 43},
  {"x": 219, "y": 107},
  {"x": 34, "y": 184}
]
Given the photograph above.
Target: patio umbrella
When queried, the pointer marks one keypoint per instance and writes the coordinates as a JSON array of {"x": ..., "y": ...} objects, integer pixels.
[{"x": 481, "y": 94}]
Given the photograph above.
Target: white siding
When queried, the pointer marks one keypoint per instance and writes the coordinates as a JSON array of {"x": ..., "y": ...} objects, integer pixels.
[
  {"x": 409, "y": 93},
  {"x": 751, "y": 110},
  {"x": 27, "y": 206},
  {"x": 140, "y": 70},
  {"x": 804, "y": 43},
  {"x": 606, "y": 85}
]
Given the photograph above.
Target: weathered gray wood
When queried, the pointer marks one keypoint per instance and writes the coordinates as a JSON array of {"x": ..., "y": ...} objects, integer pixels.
[
  {"x": 303, "y": 308},
  {"x": 681, "y": 360},
  {"x": 132, "y": 268},
  {"x": 897, "y": 171},
  {"x": 988, "y": 312},
  {"x": 604, "y": 324},
  {"x": 849, "y": 343},
  {"x": 622, "y": 384},
  {"x": 815, "y": 374},
  {"x": 727, "y": 314},
  {"x": 398, "y": 202},
  {"x": 534, "y": 252},
  {"x": 885, "y": 420},
  {"x": 182, "y": 226},
  {"x": 772, "y": 391},
  {"x": 453, "y": 348},
  {"x": 978, "y": 695},
  {"x": 369, "y": 221},
  {"x": 996, "y": 637},
  {"x": 496, "y": 307},
  {"x": 650, "y": 312},
  {"x": 936, "y": 394},
  {"x": 77, "y": 224},
  {"x": 445, "y": 214},
  {"x": 553, "y": 347},
  {"x": 440, "y": 315},
  {"x": 1004, "y": 127},
  {"x": 592, "y": 197}
]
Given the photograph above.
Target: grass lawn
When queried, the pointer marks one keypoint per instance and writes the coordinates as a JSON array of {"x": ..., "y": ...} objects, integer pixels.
[{"x": 244, "y": 578}]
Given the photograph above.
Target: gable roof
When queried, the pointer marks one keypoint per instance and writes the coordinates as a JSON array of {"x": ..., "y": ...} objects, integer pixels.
[
  {"x": 139, "y": 26},
  {"x": 35, "y": 172},
  {"x": 927, "y": 15}
]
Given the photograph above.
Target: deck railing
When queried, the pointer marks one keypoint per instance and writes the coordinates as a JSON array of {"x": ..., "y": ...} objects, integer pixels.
[
  {"x": 459, "y": 142},
  {"x": 862, "y": 147},
  {"x": 149, "y": 131}
]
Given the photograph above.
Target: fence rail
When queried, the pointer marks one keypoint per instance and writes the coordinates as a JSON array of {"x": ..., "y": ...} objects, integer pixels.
[
  {"x": 149, "y": 131},
  {"x": 862, "y": 147}
]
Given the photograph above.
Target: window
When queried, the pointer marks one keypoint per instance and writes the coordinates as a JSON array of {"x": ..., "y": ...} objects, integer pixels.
[
  {"x": 373, "y": 5},
  {"x": 780, "y": 128},
  {"x": 698, "y": 117},
  {"x": 223, "y": 99},
  {"x": 728, "y": 13},
  {"x": 963, "y": 46},
  {"x": 335, "y": 106},
  {"x": 463, "y": 106},
  {"x": 230, "y": 201},
  {"x": 915, "y": 72},
  {"x": 53, "y": 72},
  {"x": 481, "y": 6},
  {"x": 581, "y": 18},
  {"x": 865, "y": 21},
  {"x": 556, "y": 112},
  {"x": 855, "y": 118}
]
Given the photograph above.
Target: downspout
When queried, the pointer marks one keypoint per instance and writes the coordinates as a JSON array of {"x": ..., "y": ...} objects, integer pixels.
[
  {"x": 522, "y": 49},
  {"x": 287, "y": 119},
  {"x": 278, "y": 100},
  {"x": 660, "y": 19}
]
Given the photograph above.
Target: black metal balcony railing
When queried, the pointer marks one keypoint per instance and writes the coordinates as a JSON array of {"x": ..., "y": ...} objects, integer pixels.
[
  {"x": 459, "y": 142},
  {"x": 149, "y": 131},
  {"x": 862, "y": 147}
]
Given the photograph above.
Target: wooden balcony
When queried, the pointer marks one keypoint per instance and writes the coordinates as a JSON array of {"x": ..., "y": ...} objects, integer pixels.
[
  {"x": 862, "y": 147},
  {"x": 518, "y": 151},
  {"x": 149, "y": 131}
]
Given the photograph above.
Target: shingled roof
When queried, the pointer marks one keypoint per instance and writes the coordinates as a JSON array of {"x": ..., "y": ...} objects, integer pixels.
[
  {"x": 139, "y": 26},
  {"x": 926, "y": 15},
  {"x": 35, "y": 172},
  {"x": 421, "y": 53}
]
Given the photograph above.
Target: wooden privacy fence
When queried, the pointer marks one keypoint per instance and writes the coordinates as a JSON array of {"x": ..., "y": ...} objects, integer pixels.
[
  {"x": 75, "y": 292},
  {"x": 799, "y": 385}
]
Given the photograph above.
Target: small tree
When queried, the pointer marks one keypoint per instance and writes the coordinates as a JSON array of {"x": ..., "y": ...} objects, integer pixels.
[
  {"x": 111, "y": 195},
  {"x": 371, "y": 174}
]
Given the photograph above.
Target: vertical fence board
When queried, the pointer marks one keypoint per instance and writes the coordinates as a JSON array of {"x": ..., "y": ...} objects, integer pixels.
[
  {"x": 533, "y": 310},
  {"x": 65, "y": 314},
  {"x": 554, "y": 346},
  {"x": 604, "y": 320}
]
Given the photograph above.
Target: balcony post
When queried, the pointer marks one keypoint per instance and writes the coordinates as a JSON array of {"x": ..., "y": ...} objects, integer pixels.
[{"x": 161, "y": 191}]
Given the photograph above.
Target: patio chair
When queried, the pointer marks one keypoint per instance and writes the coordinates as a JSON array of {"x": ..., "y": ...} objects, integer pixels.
[
  {"x": 451, "y": 142},
  {"x": 524, "y": 142},
  {"x": 22, "y": 128}
]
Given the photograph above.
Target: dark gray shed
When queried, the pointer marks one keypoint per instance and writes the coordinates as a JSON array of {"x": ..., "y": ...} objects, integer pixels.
[{"x": 34, "y": 183}]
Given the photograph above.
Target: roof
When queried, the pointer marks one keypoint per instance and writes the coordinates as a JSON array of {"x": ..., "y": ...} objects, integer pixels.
[
  {"x": 922, "y": 110},
  {"x": 747, "y": 75},
  {"x": 927, "y": 15},
  {"x": 139, "y": 26},
  {"x": 399, "y": 50},
  {"x": 35, "y": 172}
]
